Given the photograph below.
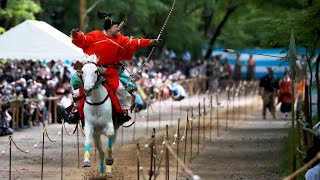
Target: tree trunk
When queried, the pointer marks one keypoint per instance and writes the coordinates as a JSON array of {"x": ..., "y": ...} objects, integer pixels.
[
  {"x": 230, "y": 10},
  {"x": 317, "y": 86},
  {"x": 310, "y": 88},
  {"x": 83, "y": 15}
]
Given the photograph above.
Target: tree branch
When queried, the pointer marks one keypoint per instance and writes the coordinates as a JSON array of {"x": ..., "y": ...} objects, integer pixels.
[
  {"x": 187, "y": 13},
  {"x": 230, "y": 10}
]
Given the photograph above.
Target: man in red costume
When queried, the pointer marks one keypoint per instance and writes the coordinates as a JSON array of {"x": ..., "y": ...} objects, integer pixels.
[{"x": 111, "y": 47}]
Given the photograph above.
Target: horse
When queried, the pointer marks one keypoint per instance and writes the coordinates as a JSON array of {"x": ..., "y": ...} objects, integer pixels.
[{"x": 98, "y": 115}]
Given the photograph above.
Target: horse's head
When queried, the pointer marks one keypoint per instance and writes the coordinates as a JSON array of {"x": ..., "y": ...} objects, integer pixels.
[{"x": 90, "y": 73}]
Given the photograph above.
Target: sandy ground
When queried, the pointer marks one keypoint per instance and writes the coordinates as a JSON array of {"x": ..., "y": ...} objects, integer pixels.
[{"x": 250, "y": 148}]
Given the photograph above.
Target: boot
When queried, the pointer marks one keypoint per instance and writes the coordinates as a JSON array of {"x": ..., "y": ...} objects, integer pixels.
[
  {"x": 120, "y": 118},
  {"x": 73, "y": 114}
]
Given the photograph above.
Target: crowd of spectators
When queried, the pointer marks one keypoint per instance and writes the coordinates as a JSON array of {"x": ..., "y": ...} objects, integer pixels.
[{"x": 33, "y": 82}]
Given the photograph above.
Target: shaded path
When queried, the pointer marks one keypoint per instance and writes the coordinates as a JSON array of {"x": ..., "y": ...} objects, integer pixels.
[{"x": 250, "y": 150}]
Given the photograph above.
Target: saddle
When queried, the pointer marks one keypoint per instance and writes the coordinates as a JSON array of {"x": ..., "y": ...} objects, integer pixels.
[{"x": 118, "y": 118}]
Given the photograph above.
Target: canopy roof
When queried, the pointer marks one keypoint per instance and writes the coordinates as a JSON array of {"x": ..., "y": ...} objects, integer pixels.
[{"x": 37, "y": 40}]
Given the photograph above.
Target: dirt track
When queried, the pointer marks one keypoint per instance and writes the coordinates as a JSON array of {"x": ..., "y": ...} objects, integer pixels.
[{"x": 249, "y": 149}]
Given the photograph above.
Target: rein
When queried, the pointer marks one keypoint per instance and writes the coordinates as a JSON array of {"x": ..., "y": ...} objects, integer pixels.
[{"x": 95, "y": 86}]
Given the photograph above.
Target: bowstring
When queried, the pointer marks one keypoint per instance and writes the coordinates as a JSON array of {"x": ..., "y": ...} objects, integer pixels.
[{"x": 159, "y": 35}]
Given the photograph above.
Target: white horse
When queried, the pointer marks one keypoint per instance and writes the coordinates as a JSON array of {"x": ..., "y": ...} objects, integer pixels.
[{"x": 98, "y": 115}]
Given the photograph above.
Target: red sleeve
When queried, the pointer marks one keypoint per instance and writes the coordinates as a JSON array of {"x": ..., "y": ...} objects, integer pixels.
[
  {"x": 84, "y": 41},
  {"x": 139, "y": 43},
  {"x": 79, "y": 40},
  {"x": 133, "y": 44}
]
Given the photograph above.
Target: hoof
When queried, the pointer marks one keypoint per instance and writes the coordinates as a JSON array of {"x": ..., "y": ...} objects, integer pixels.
[
  {"x": 108, "y": 170},
  {"x": 86, "y": 164},
  {"x": 109, "y": 161}
]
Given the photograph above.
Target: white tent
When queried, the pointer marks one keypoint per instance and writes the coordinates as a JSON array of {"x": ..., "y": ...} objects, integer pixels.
[{"x": 37, "y": 40}]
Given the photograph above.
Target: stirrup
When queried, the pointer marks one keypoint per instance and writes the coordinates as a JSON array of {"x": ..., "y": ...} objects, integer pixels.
[{"x": 129, "y": 124}]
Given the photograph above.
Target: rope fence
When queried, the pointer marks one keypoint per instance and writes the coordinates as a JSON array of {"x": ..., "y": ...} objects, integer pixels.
[{"x": 157, "y": 159}]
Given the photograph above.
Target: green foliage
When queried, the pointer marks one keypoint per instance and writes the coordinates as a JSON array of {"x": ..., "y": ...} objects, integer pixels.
[
  {"x": 16, "y": 12},
  {"x": 305, "y": 23},
  {"x": 2, "y": 30},
  {"x": 254, "y": 23}
]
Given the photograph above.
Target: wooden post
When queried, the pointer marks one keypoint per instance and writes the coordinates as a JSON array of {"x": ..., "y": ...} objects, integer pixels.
[
  {"x": 245, "y": 99},
  {"x": 17, "y": 112},
  {"x": 217, "y": 97},
  {"x": 227, "y": 115},
  {"x": 210, "y": 118},
  {"x": 171, "y": 115},
  {"x": 239, "y": 94},
  {"x": 138, "y": 161},
  {"x": 167, "y": 154},
  {"x": 37, "y": 114},
  {"x": 134, "y": 126},
  {"x": 178, "y": 132},
  {"x": 151, "y": 173},
  {"x": 22, "y": 112},
  {"x": 159, "y": 114},
  {"x": 14, "y": 118},
  {"x": 148, "y": 106},
  {"x": 233, "y": 97},
  {"x": 55, "y": 110},
  {"x": 191, "y": 133},
  {"x": 204, "y": 122},
  {"x": 83, "y": 15},
  {"x": 186, "y": 137},
  {"x": 198, "y": 129},
  {"x": 50, "y": 111}
]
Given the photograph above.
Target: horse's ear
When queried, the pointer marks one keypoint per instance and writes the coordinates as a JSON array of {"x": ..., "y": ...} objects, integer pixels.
[
  {"x": 84, "y": 59},
  {"x": 94, "y": 58}
]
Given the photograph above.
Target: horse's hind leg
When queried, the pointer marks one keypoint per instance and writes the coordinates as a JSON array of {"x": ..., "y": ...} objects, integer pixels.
[
  {"x": 89, "y": 133},
  {"x": 109, "y": 158},
  {"x": 98, "y": 145}
]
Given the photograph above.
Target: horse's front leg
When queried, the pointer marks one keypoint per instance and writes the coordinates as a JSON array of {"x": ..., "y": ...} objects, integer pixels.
[
  {"x": 109, "y": 157},
  {"x": 98, "y": 145},
  {"x": 89, "y": 132}
]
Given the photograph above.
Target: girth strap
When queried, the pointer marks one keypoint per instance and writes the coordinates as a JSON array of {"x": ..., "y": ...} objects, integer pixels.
[{"x": 99, "y": 103}]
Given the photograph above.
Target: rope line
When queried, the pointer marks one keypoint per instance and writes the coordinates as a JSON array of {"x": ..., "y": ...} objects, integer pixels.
[
  {"x": 34, "y": 146},
  {"x": 3, "y": 152},
  {"x": 175, "y": 136},
  {"x": 50, "y": 139},
  {"x": 66, "y": 130},
  {"x": 161, "y": 158},
  {"x": 141, "y": 169},
  {"x": 179, "y": 160}
]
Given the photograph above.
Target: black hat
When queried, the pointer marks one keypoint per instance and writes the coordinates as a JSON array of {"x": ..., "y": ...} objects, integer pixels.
[{"x": 109, "y": 22}]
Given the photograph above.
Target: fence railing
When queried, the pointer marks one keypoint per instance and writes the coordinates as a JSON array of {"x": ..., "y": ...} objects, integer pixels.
[{"x": 196, "y": 131}]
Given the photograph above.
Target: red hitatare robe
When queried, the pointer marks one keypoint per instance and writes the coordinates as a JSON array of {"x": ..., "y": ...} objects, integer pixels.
[
  {"x": 285, "y": 91},
  {"x": 110, "y": 51}
]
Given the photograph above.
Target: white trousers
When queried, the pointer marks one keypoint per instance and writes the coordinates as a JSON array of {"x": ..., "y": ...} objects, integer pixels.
[{"x": 122, "y": 94}]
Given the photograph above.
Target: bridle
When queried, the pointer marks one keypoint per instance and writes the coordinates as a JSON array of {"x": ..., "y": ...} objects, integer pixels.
[{"x": 86, "y": 93}]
